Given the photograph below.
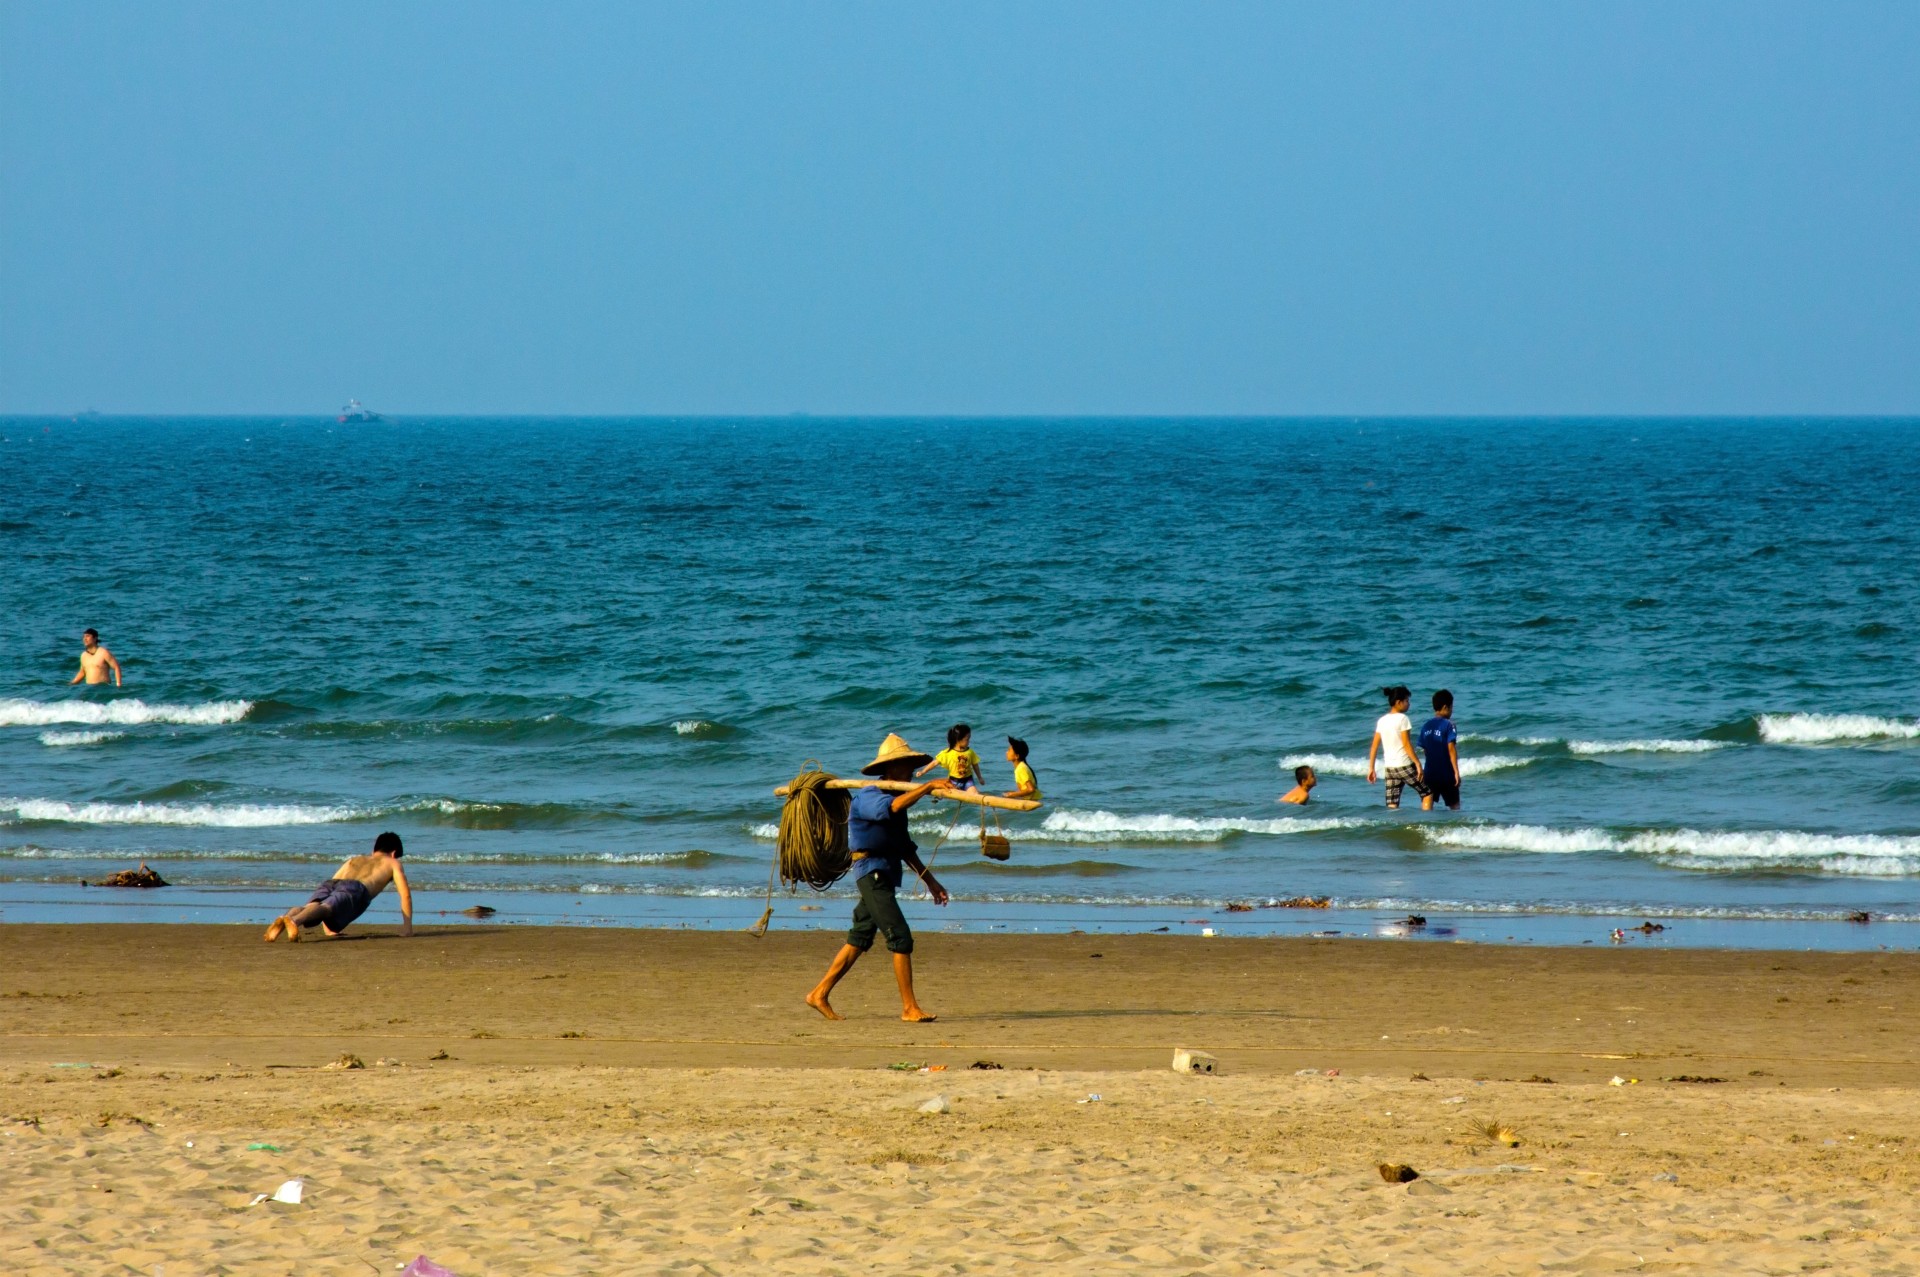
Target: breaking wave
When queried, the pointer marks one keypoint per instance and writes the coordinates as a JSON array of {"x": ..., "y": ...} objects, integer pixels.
[
  {"x": 1848, "y": 855},
  {"x": 1817, "y": 729},
  {"x": 61, "y": 740},
  {"x": 1106, "y": 826},
  {"x": 132, "y": 712},
  {"x": 1081, "y": 827},
  {"x": 1534, "y": 838},
  {"x": 234, "y": 815}
]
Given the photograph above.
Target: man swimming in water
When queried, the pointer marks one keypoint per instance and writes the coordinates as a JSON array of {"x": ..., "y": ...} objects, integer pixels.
[
  {"x": 346, "y": 895},
  {"x": 95, "y": 661}
]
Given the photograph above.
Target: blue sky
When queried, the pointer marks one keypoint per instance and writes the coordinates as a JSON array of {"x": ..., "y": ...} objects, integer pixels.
[{"x": 960, "y": 208}]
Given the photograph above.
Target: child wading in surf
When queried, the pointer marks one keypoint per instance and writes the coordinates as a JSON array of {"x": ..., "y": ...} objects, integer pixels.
[
  {"x": 1439, "y": 742},
  {"x": 1303, "y": 782},
  {"x": 1393, "y": 745},
  {"x": 1025, "y": 784},
  {"x": 962, "y": 764}
]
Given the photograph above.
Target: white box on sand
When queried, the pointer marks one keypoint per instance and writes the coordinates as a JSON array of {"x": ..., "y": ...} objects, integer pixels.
[{"x": 1186, "y": 1061}]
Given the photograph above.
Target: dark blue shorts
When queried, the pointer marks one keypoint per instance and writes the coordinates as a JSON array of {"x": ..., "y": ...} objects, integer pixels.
[{"x": 879, "y": 911}]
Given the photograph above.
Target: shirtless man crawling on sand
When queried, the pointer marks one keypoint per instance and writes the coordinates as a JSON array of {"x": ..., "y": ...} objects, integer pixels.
[
  {"x": 346, "y": 895},
  {"x": 95, "y": 661}
]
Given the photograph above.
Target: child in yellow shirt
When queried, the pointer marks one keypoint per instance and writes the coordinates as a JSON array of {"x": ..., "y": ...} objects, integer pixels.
[
  {"x": 1025, "y": 785},
  {"x": 962, "y": 764}
]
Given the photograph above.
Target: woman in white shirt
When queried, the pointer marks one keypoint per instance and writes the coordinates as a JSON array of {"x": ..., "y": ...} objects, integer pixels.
[{"x": 1393, "y": 745}]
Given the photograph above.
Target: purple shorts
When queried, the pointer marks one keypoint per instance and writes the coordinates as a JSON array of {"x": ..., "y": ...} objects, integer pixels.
[{"x": 343, "y": 900}]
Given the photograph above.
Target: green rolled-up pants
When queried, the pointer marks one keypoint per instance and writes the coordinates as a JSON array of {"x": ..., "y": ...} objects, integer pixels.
[{"x": 879, "y": 910}]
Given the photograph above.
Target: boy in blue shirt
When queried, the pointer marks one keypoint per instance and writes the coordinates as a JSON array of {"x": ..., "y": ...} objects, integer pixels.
[
  {"x": 1439, "y": 741},
  {"x": 877, "y": 837}
]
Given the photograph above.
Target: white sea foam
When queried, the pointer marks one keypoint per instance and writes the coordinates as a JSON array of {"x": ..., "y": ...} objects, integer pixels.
[
  {"x": 60, "y": 740},
  {"x": 692, "y": 726},
  {"x": 1106, "y": 826},
  {"x": 1644, "y": 746},
  {"x": 132, "y": 712},
  {"x": 213, "y": 815},
  {"x": 1817, "y": 729},
  {"x": 1856, "y": 855},
  {"x": 1782, "y": 846},
  {"x": 234, "y": 816},
  {"x": 1535, "y": 838},
  {"x": 1079, "y": 827},
  {"x": 1341, "y": 765}
]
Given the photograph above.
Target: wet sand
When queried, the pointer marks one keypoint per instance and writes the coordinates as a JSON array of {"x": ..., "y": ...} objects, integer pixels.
[{"x": 649, "y": 1100}]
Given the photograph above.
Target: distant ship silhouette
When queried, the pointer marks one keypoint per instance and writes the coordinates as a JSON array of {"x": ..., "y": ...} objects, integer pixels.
[{"x": 355, "y": 412}]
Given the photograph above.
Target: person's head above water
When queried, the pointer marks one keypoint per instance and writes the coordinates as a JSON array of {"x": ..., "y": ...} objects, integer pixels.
[
  {"x": 1398, "y": 697},
  {"x": 1016, "y": 750},
  {"x": 1303, "y": 776},
  {"x": 958, "y": 735},
  {"x": 389, "y": 842},
  {"x": 1443, "y": 702},
  {"x": 90, "y": 637}
]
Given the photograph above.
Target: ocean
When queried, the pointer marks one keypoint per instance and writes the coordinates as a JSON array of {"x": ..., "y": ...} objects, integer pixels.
[{"x": 569, "y": 660}]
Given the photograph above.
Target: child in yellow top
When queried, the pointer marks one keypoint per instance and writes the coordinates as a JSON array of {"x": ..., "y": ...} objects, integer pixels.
[
  {"x": 962, "y": 764},
  {"x": 1024, "y": 782}
]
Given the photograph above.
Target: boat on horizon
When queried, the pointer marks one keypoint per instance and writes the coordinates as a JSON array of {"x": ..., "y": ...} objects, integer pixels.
[{"x": 354, "y": 411}]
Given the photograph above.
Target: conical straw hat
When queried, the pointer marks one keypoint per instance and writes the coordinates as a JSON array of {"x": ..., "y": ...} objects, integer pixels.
[{"x": 895, "y": 750}]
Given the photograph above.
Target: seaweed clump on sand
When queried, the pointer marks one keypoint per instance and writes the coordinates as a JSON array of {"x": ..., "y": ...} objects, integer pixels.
[{"x": 141, "y": 877}]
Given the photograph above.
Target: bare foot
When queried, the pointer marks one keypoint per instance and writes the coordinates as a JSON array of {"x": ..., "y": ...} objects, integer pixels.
[
  {"x": 818, "y": 1001},
  {"x": 917, "y": 1016},
  {"x": 293, "y": 930},
  {"x": 273, "y": 932}
]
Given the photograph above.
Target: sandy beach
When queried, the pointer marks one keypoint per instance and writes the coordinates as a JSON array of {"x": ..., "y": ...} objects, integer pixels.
[{"x": 575, "y": 1100}]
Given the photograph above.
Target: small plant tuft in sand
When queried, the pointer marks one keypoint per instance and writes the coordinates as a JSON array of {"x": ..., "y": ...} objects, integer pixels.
[{"x": 1495, "y": 1133}]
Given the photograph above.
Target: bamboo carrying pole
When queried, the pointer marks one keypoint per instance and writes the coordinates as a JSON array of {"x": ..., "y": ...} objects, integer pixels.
[{"x": 952, "y": 795}]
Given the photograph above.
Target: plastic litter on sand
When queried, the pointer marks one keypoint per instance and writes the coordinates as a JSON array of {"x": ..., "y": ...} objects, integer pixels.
[
  {"x": 289, "y": 1192},
  {"x": 938, "y": 1104},
  {"x": 424, "y": 1267}
]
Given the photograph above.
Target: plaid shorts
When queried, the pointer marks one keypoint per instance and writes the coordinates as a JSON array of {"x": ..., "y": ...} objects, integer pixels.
[{"x": 1400, "y": 777}]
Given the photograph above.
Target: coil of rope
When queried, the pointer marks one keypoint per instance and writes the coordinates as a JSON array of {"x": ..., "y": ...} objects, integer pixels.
[
  {"x": 813, "y": 831},
  {"x": 813, "y": 838}
]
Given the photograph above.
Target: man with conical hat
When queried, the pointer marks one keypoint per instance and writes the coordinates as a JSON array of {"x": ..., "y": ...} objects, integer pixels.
[{"x": 877, "y": 837}]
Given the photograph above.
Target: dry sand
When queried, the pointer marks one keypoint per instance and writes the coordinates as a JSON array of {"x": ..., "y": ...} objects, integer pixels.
[{"x": 708, "y": 1122}]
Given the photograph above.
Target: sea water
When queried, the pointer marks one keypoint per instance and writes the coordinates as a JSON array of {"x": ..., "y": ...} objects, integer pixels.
[{"x": 569, "y": 660}]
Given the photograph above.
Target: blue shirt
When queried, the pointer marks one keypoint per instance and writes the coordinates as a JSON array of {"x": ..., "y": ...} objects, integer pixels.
[
  {"x": 875, "y": 829},
  {"x": 1435, "y": 736}
]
